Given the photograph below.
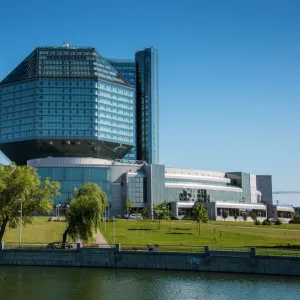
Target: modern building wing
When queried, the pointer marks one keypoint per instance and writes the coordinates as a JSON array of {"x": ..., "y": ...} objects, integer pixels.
[
  {"x": 66, "y": 101},
  {"x": 148, "y": 185}
]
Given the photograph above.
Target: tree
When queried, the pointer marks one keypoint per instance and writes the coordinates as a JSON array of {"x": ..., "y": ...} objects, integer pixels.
[
  {"x": 129, "y": 206},
  {"x": 22, "y": 183},
  {"x": 85, "y": 212},
  {"x": 162, "y": 212},
  {"x": 245, "y": 217},
  {"x": 144, "y": 212},
  {"x": 254, "y": 216},
  {"x": 235, "y": 216},
  {"x": 225, "y": 214},
  {"x": 201, "y": 215}
]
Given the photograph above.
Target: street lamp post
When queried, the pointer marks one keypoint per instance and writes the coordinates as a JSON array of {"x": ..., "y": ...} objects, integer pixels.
[
  {"x": 66, "y": 214},
  {"x": 20, "y": 225},
  {"x": 105, "y": 220},
  {"x": 57, "y": 211},
  {"x": 114, "y": 231}
]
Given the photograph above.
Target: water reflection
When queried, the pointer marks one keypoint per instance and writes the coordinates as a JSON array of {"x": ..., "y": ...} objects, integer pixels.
[{"x": 34, "y": 283}]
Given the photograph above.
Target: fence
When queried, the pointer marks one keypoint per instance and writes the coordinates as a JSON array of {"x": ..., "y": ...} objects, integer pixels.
[
  {"x": 39, "y": 246},
  {"x": 288, "y": 252},
  {"x": 256, "y": 251},
  {"x": 163, "y": 248},
  {"x": 229, "y": 249},
  {"x": 94, "y": 245}
]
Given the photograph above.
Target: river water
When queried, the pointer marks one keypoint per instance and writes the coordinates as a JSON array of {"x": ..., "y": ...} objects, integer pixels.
[{"x": 41, "y": 283}]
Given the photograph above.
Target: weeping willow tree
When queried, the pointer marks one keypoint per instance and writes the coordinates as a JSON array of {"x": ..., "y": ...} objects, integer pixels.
[{"x": 85, "y": 212}]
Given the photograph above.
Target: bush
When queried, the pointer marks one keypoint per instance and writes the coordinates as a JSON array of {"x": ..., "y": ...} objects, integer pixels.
[
  {"x": 257, "y": 222},
  {"x": 118, "y": 216},
  {"x": 295, "y": 220},
  {"x": 278, "y": 222},
  {"x": 266, "y": 222}
]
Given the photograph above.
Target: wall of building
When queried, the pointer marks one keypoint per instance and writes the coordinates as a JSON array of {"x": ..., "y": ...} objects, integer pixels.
[
  {"x": 253, "y": 190},
  {"x": 264, "y": 185},
  {"x": 211, "y": 261}
]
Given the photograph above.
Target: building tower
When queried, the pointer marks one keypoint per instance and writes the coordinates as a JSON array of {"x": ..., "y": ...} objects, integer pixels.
[
  {"x": 66, "y": 101},
  {"x": 147, "y": 105},
  {"x": 143, "y": 74}
]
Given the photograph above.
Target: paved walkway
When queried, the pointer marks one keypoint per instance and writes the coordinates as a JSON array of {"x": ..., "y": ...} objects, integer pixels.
[{"x": 99, "y": 239}]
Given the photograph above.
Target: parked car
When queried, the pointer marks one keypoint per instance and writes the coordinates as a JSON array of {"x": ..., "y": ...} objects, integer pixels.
[{"x": 136, "y": 216}]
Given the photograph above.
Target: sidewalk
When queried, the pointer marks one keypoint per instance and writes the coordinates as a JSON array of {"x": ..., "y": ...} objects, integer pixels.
[{"x": 99, "y": 239}]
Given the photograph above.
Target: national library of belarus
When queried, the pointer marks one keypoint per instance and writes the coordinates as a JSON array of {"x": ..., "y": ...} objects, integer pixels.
[{"x": 77, "y": 116}]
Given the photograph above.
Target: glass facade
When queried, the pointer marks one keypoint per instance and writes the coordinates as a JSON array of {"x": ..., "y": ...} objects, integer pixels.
[
  {"x": 126, "y": 69},
  {"x": 69, "y": 101},
  {"x": 71, "y": 178},
  {"x": 238, "y": 190},
  {"x": 147, "y": 105},
  {"x": 202, "y": 195},
  {"x": 240, "y": 212},
  {"x": 136, "y": 189}
]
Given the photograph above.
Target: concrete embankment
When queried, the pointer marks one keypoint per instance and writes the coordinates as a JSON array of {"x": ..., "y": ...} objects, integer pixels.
[{"x": 210, "y": 261}]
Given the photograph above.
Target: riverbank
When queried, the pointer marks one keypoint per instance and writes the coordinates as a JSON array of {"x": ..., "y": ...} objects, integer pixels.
[{"x": 209, "y": 261}]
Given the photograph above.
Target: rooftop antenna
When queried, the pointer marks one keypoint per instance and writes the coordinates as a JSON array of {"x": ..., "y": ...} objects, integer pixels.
[{"x": 65, "y": 44}]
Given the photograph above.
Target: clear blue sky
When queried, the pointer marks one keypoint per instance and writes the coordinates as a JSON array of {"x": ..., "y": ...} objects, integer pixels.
[{"x": 229, "y": 72}]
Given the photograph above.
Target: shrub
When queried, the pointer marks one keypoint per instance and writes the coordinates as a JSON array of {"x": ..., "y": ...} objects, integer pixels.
[
  {"x": 257, "y": 222},
  {"x": 254, "y": 216},
  {"x": 278, "y": 222},
  {"x": 295, "y": 220},
  {"x": 266, "y": 222},
  {"x": 225, "y": 214},
  {"x": 118, "y": 216}
]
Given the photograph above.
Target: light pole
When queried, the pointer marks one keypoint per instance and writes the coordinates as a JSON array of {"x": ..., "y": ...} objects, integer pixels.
[
  {"x": 20, "y": 225},
  {"x": 114, "y": 231},
  {"x": 105, "y": 220},
  {"x": 66, "y": 214},
  {"x": 57, "y": 207}
]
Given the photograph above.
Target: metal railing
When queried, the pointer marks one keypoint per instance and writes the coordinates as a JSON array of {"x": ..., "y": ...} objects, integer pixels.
[
  {"x": 265, "y": 251},
  {"x": 229, "y": 249},
  {"x": 163, "y": 248},
  {"x": 258, "y": 251},
  {"x": 95, "y": 245},
  {"x": 39, "y": 246}
]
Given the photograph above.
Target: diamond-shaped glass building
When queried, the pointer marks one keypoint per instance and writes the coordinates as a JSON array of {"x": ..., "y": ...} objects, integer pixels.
[{"x": 66, "y": 101}]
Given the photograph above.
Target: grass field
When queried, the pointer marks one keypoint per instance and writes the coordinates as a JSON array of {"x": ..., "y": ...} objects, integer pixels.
[
  {"x": 219, "y": 234},
  {"x": 40, "y": 231}
]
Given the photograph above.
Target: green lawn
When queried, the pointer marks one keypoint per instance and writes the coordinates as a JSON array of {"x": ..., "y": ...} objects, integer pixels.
[
  {"x": 225, "y": 234},
  {"x": 40, "y": 231},
  {"x": 214, "y": 234}
]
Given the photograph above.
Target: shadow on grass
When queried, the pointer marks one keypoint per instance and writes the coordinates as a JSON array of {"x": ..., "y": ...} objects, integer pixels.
[
  {"x": 182, "y": 228},
  {"x": 140, "y": 229},
  {"x": 188, "y": 233}
]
